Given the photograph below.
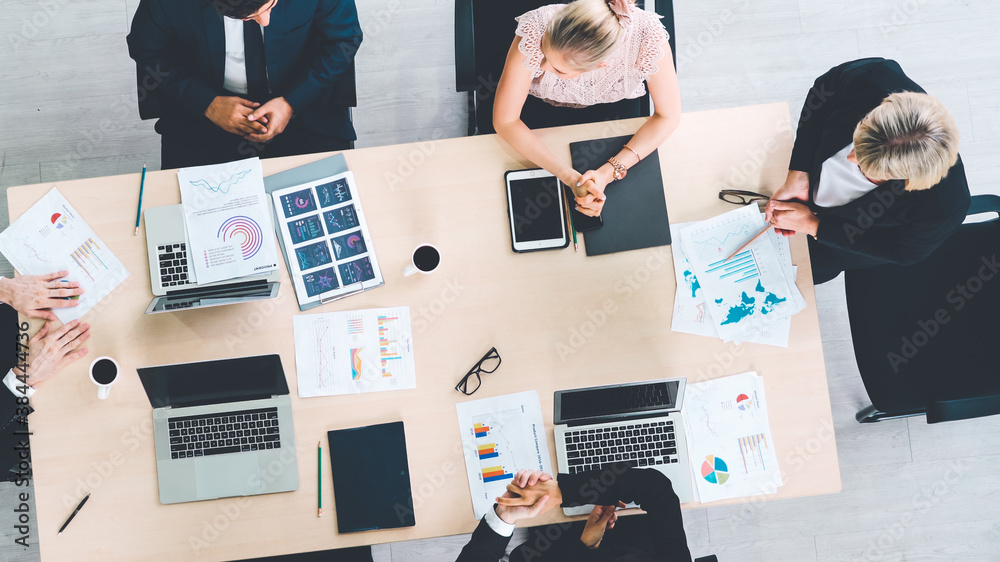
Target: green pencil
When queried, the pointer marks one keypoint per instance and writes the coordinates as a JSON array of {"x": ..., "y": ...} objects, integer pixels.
[
  {"x": 138, "y": 212},
  {"x": 319, "y": 479},
  {"x": 572, "y": 227}
]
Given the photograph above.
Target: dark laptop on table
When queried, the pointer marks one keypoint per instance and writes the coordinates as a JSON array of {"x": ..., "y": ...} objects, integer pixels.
[{"x": 222, "y": 428}]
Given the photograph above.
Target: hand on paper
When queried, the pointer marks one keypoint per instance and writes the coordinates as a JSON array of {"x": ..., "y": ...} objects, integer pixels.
[
  {"x": 35, "y": 295},
  {"x": 232, "y": 114},
  {"x": 275, "y": 114},
  {"x": 601, "y": 519},
  {"x": 49, "y": 352},
  {"x": 789, "y": 218}
]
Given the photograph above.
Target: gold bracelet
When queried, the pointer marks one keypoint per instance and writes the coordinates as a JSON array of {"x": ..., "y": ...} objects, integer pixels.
[
  {"x": 637, "y": 157},
  {"x": 620, "y": 170}
]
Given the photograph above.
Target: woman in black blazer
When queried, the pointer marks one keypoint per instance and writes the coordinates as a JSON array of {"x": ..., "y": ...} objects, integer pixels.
[{"x": 875, "y": 170}]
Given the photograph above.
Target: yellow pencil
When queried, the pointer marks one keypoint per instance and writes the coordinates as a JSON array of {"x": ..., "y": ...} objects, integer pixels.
[{"x": 743, "y": 247}]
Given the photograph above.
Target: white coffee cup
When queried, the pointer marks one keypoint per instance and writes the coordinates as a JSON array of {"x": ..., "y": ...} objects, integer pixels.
[
  {"x": 105, "y": 372},
  {"x": 425, "y": 259}
]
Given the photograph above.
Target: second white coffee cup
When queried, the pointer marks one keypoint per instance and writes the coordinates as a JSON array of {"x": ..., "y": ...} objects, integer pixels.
[
  {"x": 104, "y": 372},
  {"x": 426, "y": 258}
]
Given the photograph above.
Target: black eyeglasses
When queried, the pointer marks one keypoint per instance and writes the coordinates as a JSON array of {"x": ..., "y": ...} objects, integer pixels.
[
  {"x": 487, "y": 364},
  {"x": 740, "y": 197}
]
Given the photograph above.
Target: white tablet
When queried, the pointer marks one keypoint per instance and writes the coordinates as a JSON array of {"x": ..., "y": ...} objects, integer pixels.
[{"x": 535, "y": 208}]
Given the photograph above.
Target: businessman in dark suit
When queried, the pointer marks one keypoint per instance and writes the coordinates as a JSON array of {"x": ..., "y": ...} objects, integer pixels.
[
  {"x": 234, "y": 79},
  {"x": 656, "y": 536},
  {"x": 875, "y": 175}
]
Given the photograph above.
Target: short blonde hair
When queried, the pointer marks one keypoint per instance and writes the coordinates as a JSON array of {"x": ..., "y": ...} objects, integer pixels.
[
  {"x": 585, "y": 32},
  {"x": 909, "y": 136}
]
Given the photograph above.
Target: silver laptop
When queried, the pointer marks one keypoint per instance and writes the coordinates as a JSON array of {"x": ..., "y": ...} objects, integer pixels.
[
  {"x": 222, "y": 428},
  {"x": 172, "y": 277},
  {"x": 635, "y": 423}
]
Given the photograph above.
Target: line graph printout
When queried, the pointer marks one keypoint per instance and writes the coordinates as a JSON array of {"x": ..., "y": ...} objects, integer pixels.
[
  {"x": 228, "y": 220},
  {"x": 730, "y": 446},
  {"x": 50, "y": 237},
  {"x": 355, "y": 351},
  {"x": 749, "y": 291},
  {"x": 501, "y": 436}
]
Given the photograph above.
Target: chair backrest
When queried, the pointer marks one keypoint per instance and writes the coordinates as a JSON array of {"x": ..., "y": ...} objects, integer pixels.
[
  {"x": 484, "y": 30},
  {"x": 928, "y": 331}
]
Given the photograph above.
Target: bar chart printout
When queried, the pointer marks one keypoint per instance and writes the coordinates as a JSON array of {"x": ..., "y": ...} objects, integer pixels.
[
  {"x": 501, "y": 436},
  {"x": 51, "y": 236},
  {"x": 354, "y": 351}
]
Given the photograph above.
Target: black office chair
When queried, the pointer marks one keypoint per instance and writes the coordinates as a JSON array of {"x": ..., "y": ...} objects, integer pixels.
[
  {"x": 356, "y": 554},
  {"x": 925, "y": 335},
  {"x": 484, "y": 30}
]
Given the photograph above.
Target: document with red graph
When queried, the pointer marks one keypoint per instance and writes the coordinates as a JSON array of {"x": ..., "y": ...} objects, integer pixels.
[{"x": 51, "y": 236}]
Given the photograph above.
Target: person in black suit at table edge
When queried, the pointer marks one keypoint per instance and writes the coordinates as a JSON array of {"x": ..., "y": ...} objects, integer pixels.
[
  {"x": 875, "y": 176},
  {"x": 234, "y": 79},
  {"x": 48, "y": 351},
  {"x": 656, "y": 536}
]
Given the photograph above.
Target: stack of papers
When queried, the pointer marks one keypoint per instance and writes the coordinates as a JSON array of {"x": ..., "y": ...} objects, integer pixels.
[
  {"x": 351, "y": 352},
  {"x": 729, "y": 438},
  {"x": 228, "y": 221},
  {"x": 749, "y": 298},
  {"x": 51, "y": 236}
]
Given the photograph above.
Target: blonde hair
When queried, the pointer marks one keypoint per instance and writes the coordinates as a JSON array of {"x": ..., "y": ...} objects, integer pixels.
[
  {"x": 909, "y": 136},
  {"x": 585, "y": 32}
]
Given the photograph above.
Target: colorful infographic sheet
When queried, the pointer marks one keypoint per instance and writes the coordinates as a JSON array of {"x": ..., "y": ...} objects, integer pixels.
[
  {"x": 51, "y": 236},
  {"x": 356, "y": 351},
  {"x": 326, "y": 238},
  {"x": 501, "y": 436},
  {"x": 729, "y": 438},
  {"x": 228, "y": 220},
  {"x": 751, "y": 290}
]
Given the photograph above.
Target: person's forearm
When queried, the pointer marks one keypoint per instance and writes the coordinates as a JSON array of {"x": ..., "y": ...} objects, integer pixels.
[
  {"x": 527, "y": 144},
  {"x": 653, "y": 133},
  {"x": 6, "y": 296}
]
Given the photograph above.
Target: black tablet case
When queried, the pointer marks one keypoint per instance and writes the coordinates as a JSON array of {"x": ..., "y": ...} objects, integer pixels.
[
  {"x": 371, "y": 478},
  {"x": 635, "y": 215}
]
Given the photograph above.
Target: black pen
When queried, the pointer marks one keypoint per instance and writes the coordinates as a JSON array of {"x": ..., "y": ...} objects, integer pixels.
[{"x": 75, "y": 511}]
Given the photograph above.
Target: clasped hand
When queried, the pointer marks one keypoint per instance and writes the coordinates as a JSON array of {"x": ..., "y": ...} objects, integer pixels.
[
  {"x": 589, "y": 193},
  {"x": 251, "y": 120}
]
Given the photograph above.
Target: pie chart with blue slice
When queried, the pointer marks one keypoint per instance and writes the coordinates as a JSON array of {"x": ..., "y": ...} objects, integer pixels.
[{"x": 714, "y": 470}]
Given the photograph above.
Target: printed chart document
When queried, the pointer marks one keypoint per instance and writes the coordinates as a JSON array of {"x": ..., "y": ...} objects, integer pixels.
[
  {"x": 729, "y": 438},
  {"x": 228, "y": 220},
  {"x": 51, "y": 236},
  {"x": 501, "y": 436},
  {"x": 691, "y": 312},
  {"x": 356, "y": 351},
  {"x": 326, "y": 239},
  {"x": 749, "y": 291}
]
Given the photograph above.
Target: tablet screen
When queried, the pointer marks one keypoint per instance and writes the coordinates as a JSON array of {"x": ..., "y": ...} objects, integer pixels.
[{"x": 535, "y": 205}]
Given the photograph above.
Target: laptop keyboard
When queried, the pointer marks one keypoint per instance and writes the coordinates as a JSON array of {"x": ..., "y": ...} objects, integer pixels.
[
  {"x": 638, "y": 444},
  {"x": 173, "y": 264},
  {"x": 217, "y": 434}
]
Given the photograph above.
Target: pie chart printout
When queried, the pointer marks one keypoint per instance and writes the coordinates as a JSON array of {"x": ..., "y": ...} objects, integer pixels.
[{"x": 715, "y": 470}]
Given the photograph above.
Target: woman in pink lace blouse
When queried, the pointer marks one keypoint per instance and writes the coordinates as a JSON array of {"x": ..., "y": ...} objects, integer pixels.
[{"x": 590, "y": 55}]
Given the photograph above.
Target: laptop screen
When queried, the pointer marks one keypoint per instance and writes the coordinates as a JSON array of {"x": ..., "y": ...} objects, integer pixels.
[
  {"x": 214, "y": 382},
  {"x": 617, "y": 401}
]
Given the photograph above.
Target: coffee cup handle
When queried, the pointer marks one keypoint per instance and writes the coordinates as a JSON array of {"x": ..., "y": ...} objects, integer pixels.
[
  {"x": 103, "y": 391},
  {"x": 410, "y": 270}
]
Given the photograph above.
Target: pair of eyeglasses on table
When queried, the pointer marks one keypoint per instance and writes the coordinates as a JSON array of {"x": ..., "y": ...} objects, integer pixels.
[
  {"x": 740, "y": 197},
  {"x": 489, "y": 363}
]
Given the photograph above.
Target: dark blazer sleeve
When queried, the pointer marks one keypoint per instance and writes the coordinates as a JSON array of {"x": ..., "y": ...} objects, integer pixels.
[
  {"x": 333, "y": 52},
  {"x": 647, "y": 487},
  {"x": 154, "y": 45},
  {"x": 485, "y": 546},
  {"x": 821, "y": 102},
  {"x": 8, "y": 405}
]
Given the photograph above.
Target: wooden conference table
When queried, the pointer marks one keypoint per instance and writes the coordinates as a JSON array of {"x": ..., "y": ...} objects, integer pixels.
[{"x": 546, "y": 312}]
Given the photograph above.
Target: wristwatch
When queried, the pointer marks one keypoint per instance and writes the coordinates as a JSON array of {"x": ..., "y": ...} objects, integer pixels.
[{"x": 620, "y": 171}]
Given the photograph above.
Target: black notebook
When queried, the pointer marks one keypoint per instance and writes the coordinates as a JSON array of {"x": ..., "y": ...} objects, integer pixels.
[
  {"x": 371, "y": 478},
  {"x": 635, "y": 215}
]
